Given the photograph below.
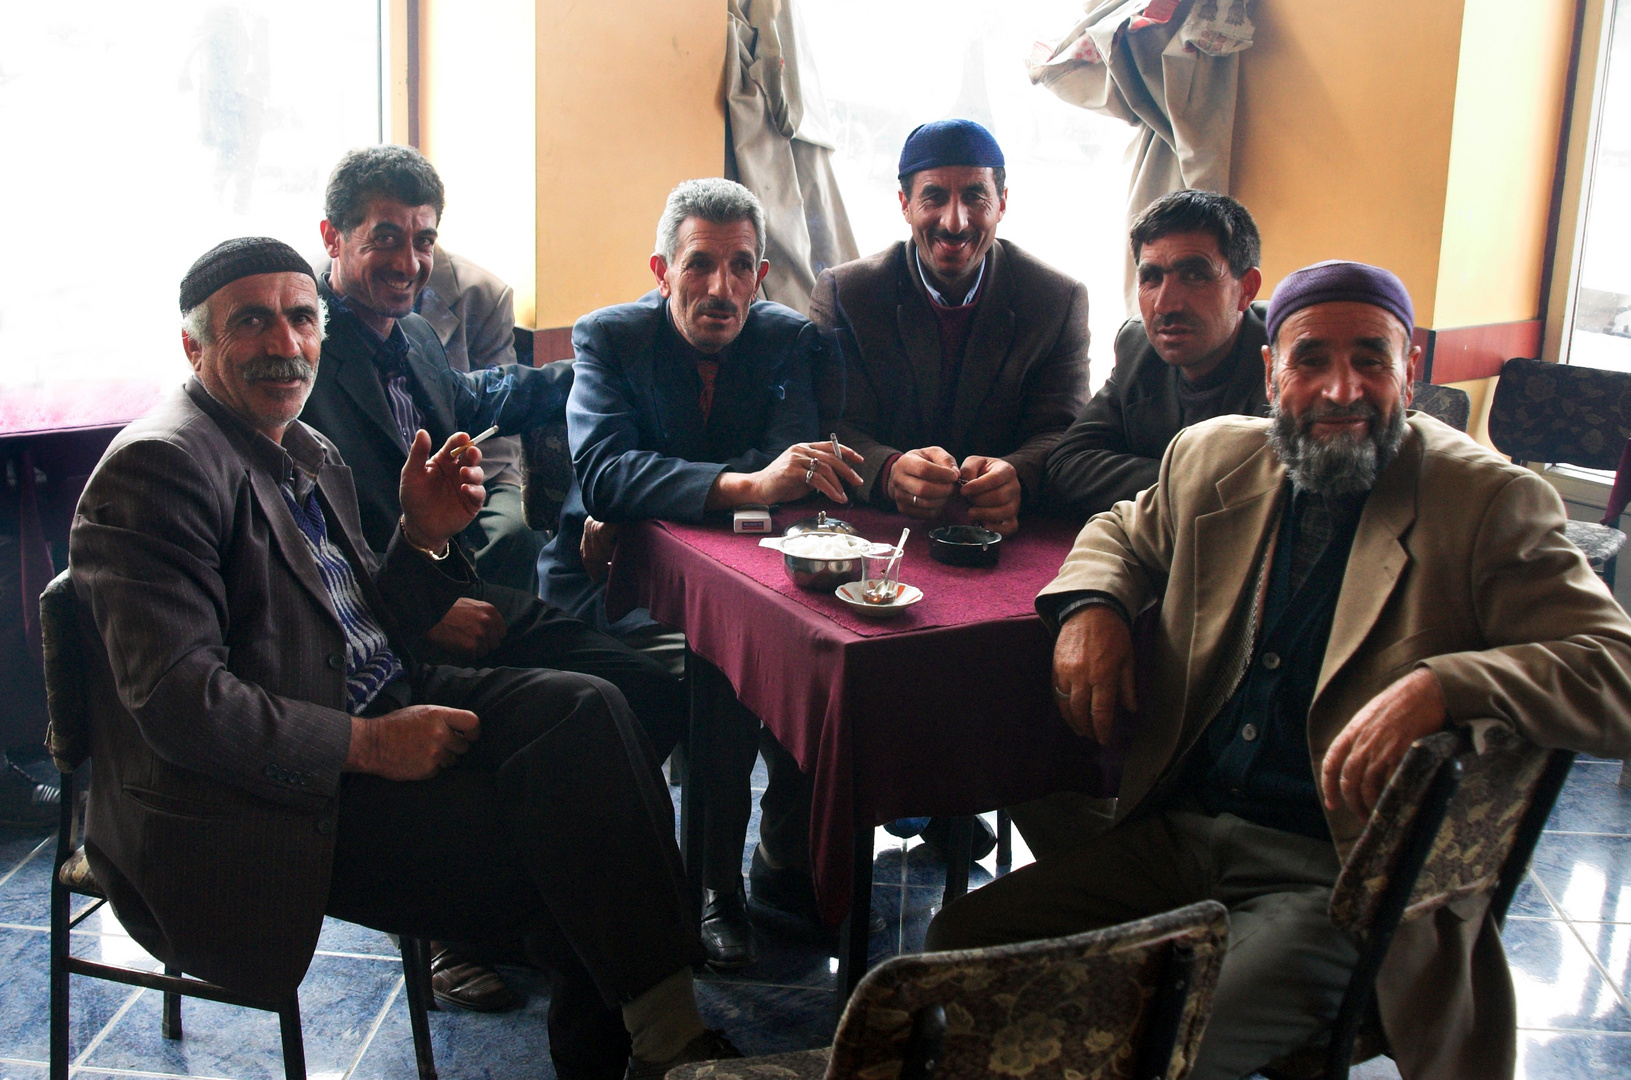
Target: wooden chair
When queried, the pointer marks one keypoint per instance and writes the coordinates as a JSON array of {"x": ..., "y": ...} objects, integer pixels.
[
  {"x": 1127, "y": 1001},
  {"x": 1453, "y": 822},
  {"x": 69, "y": 740}
]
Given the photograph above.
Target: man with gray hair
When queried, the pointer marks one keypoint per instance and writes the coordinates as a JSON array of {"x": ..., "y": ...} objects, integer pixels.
[
  {"x": 1336, "y": 582},
  {"x": 693, "y": 399}
]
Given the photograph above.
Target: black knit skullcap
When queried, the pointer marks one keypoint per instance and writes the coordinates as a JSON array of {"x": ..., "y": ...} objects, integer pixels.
[{"x": 230, "y": 260}]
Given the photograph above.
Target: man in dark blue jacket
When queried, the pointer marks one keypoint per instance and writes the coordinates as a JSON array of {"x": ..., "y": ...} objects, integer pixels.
[{"x": 694, "y": 399}]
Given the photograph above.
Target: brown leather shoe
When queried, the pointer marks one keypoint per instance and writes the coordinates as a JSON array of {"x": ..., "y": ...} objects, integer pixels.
[{"x": 466, "y": 984}]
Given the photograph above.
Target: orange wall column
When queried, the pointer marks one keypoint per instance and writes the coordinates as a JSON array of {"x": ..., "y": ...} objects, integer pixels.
[
  {"x": 1420, "y": 137},
  {"x": 630, "y": 102}
]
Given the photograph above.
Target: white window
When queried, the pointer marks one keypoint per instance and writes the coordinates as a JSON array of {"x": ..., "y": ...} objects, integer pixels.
[
  {"x": 887, "y": 67},
  {"x": 1601, "y": 332},
  {"x": 137, "y": 136}
]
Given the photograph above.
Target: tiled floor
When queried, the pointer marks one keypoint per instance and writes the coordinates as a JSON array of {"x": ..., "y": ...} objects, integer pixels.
[{"x": 1568, "y": 940}]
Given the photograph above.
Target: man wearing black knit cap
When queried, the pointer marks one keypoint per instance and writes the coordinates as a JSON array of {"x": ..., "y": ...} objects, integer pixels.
[
  {"x": 965, "y": 357},
  {"x": 1335, "y": 581},
  {"x": 259, "y": 701}
]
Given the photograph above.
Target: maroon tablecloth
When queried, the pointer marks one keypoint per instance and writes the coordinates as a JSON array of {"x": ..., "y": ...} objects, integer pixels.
[{"x": 945, "y": 709}]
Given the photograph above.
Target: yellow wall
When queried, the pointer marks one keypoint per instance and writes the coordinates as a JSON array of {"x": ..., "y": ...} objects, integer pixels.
[
  {"x": 1342, "y": 135},
  {"x": 476, "y": 124},
  {"x": 1417, "y": 136},
  {"x": 630, "y": 102},
  {"x": 1508, "y": 112}
]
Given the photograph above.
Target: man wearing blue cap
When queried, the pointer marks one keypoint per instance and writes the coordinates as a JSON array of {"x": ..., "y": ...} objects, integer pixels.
[
  {"x": 1336, "y": 581},
  {"x": 965, "y": 357}
]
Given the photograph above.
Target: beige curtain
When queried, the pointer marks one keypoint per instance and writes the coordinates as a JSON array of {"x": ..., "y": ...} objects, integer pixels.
[
  {"x": 779, "y": 145},
  {"x": 1169, "y": 67}
]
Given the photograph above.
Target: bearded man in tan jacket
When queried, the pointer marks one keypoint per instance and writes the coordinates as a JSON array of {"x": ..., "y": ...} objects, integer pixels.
[{"x": 1336, "y": 582}]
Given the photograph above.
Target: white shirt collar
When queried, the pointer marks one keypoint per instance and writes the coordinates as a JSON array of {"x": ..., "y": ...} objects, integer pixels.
[{"x": 935, "y": 294}]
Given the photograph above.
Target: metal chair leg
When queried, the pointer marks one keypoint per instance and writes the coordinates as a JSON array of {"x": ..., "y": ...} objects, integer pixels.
[
  {"x": 416, "y": 979},
  {"x": 294, "y": 1046},
  {"x": 170, "y": 1025},
  {"x": 61, "y": 899},
  {"x": 1005, "y": 839}
]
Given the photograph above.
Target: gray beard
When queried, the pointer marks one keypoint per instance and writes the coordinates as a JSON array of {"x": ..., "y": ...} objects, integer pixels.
[{"x": 1341, "y": 466}]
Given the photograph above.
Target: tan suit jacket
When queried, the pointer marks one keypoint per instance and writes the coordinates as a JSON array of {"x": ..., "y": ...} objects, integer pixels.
[{"x": 1460, "y": 565}]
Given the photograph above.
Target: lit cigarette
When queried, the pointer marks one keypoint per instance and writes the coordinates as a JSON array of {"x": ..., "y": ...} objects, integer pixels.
[{"x": 477, "y": 441}]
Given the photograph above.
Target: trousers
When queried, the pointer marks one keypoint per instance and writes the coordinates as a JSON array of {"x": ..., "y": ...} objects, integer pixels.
[
  {"x": 541, "y": 636},
  {"x": 1286, "y": 966},
  {"x": 554, "y": 828},
  {"x": 501, "y": 543}
]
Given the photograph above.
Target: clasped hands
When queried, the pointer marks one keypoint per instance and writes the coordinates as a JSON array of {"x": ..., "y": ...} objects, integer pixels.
[
  {"x": 1093, "y": 678},
  {"x": 922, "y": 482}
]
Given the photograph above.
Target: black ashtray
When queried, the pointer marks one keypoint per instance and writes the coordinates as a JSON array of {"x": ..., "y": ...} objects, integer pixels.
[{"x": 964, "y": 545}]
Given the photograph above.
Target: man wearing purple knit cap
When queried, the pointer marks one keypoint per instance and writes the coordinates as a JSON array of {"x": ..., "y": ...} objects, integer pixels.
[{"x": 1335, "y": 581}]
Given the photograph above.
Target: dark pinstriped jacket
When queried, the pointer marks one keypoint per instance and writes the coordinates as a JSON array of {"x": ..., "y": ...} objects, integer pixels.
[{"x": 220, "y": 728}]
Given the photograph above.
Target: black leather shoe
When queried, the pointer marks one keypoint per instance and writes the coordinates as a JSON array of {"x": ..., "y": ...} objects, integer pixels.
[
  {"x": 727, "y": 935},
  {"x": 24, "y": 801},
  {"x": 788, "y": 895},
  {"x": 711, "y": 1045},
  {"x": 937, "y": 834}
]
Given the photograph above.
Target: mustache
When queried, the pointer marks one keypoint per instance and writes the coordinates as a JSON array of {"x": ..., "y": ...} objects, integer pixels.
[
  {"x": 1167, "y": 322},
  {"x": 715, "y": 306},
  {"x": 277, "y": 369},
  {"x": 1359, "y": 410}
]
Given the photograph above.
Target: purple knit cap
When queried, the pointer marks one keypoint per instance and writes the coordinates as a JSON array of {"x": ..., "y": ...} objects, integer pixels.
[{"x": 1334, "y": 280}]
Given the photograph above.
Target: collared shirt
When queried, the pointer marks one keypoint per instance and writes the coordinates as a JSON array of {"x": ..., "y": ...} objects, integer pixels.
[
  {"x": 707, "y": 364},
  {"x": 371, "y": 663},
  {"x": 934, "y": 293},
  {"x": 391, "y": 365}
]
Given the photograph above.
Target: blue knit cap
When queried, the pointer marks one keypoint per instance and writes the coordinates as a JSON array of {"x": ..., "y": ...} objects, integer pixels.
[
  {"x": 949, "y": 142},
  {"x": 1334, "y": 280}
]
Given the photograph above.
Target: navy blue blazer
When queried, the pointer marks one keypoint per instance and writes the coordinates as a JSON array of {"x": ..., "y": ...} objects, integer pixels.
[
  {"x": 640, "y": 446},
  {"x": 348, "y": 404}
]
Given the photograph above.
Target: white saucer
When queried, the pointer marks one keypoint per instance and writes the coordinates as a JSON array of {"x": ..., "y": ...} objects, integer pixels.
[{"x": 850, "y": 594}]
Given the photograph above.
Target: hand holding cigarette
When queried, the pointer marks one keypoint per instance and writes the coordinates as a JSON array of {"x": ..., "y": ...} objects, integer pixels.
[{"x": 478, "y": 440}]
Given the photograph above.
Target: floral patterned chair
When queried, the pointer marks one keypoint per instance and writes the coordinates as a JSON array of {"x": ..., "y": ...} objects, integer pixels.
[
  {"x": 1459, "y": 818},
  {"x": 1126, "y": 1001},
  {"x": 1563, "y": 414}
]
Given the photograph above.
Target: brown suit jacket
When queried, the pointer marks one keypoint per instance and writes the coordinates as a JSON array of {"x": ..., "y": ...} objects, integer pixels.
[
  {"x": 1460, "y": 565},
  {"x": 1023, "y": 376},
  {"x": 220, "y": 725}
]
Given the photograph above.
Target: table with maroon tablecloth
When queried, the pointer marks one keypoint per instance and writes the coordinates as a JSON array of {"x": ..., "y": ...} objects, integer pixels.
[{"x": 944, "y": 709}]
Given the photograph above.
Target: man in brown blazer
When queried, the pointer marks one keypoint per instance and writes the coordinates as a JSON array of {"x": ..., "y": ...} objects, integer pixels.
[
  {"x": 267, "y": 749},
  {"x": 965, "y": 357},
  {"x": 1336, "y": 582}
]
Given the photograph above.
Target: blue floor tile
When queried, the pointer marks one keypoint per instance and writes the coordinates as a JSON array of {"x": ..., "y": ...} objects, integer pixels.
[
  {"x": 1556, "y": 983},
  {"x": 494, "y": 1046},
  {"x": 25, "y": 1019},
  {"x": 1592, "y": 801},
  {"x": 1530, "y": 901},
  {"x": 25, "y": 894},
  {"x": 1589, "y": 877},
  {"x": 17, "y": 1070},
  {"x": 340, "y": 998},
  {"x": 1610, "y": 943},
  {"x": 1549, "y": 1055},
  {"x": 343, "y": 937}
]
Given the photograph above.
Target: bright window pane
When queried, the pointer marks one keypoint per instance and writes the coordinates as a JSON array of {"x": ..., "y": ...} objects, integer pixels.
[
  {"x": 136, "y": 137},
  {"x": 887, "y": 66},
  {"x": 1602, "y": 318}
]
